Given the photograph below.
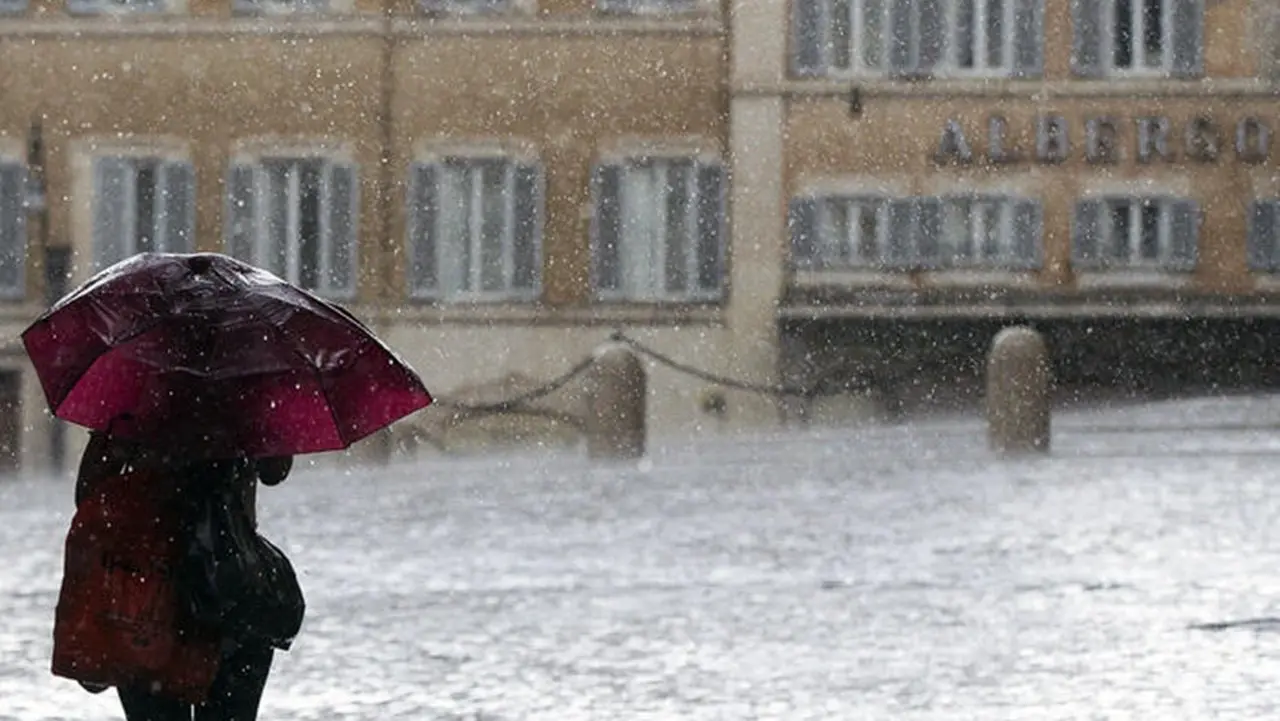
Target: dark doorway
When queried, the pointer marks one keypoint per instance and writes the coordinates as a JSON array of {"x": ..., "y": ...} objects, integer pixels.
[{"x": 10, "y": 422}]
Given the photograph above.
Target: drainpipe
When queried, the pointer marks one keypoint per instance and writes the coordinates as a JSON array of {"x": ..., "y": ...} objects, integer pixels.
[{"x": 55, "y": 260}]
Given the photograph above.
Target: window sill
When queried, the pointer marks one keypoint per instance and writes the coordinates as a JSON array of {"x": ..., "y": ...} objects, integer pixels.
[
  {"x": 871, "y": 87},
  {"x": 537, "y": 314},
  {"x": 941, "y": 278},
  {"x": 1089, "y": 278}
]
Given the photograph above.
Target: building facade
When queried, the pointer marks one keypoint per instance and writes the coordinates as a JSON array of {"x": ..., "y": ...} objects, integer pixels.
[{"x": 771, "y": 190}]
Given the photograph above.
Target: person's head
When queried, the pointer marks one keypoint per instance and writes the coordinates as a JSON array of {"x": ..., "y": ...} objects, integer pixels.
[{"x": 273, "y": 470}]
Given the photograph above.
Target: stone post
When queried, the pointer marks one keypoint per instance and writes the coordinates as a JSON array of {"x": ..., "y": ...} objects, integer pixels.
[
  {"x": 615, "y": 419},
  {"x": 1018, "y": 384}
]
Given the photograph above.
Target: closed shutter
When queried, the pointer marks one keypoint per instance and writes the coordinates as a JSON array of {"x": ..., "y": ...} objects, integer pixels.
[
  {"x": 526, "y": 276},
  {"x": 1263, "y": 223},
  {"x": 606, "y": 227},
  {"x": 1187, "y": 27},
  {"x": 1086, "y": 231},
  {"x": 932, "y": 27},
  {"x": 240, "y": 226},
  {"x": 423, "y": 211},
  {"x": 13, "y": 229},
  {"x": 928, "y": 245},
  {"x": 806, "y": 38},
  {"x": 112, "y": 210},
  {"x": 342, "y": 215},
  {"x": 1184, "y": 234},
  {"x": 711, "y": 222},
  {"x": 903, "y": 220},
  {"x": 177, "y": 207},
  {"x": 1028, "y": 38},
  {"x": 1087, "y": 39},
  {"x": 1027, "y": 225},
  {"x": 802, "y": 226}
]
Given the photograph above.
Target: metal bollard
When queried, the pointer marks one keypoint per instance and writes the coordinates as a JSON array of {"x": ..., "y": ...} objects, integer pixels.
[
  {"x": 1018, "y": 403},
  {"x": 615, "y": 419}
]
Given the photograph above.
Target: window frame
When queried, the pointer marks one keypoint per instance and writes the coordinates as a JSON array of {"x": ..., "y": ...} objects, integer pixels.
[
  {"x": 1171, "y": 258},
  {"x": 162, "y": 241},
  {"x": 331, "y": 164},
  {"x": 513, "y": 162},
  {"x": 1093, "y": 43},
  {"x": 822, "y": 14},
  {"x": 693, "y": 295}
]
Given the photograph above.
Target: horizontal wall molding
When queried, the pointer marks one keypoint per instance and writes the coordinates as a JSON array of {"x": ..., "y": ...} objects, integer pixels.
[{"x": 366, "y": 26}]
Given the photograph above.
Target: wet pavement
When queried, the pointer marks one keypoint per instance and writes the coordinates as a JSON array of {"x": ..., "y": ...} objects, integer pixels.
[{"x": 880, "y": 573}]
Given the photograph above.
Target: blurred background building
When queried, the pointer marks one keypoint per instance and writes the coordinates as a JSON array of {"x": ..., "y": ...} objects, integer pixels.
[{"x": 846, "y": 194}]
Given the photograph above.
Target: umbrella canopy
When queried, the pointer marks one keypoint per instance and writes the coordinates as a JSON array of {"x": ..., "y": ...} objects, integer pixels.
[{"x": 206, "y": 353}]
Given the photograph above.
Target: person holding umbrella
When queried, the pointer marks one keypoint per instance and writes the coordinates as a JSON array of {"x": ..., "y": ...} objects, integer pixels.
[{"x": 199, "y": 376}]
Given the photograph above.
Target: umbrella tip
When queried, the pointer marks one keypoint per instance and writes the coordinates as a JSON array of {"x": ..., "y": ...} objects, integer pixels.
[{"x": 199, "y": 263}]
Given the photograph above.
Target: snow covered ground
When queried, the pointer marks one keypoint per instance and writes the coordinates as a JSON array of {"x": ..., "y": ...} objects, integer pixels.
[{"x": 880, "y": 573}]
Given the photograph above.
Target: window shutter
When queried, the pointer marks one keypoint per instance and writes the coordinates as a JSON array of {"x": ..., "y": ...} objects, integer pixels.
[
  {"x": 1027, "y": 224},
  {"x": 802, "y": 225},
  {"x": 901, "y": 33},
  {"x": 177, "y": 205},
  {"x": 527, "y": 234},
  {"x": 112, "y": 210},
  {"x": 13, "y": 229},
  {"x": 711, "y": 222},
  {"x": 1085, "y": 234},
  {"x": 929, "y": 234},
  {"x": 1184, "y": 233},
  {"x": 342, "y": 211},
  {"x": 1187, "y": 27},
  {"x": 1087, "y": 19},
  {"x": 1028, "y": 38},
  {"x": 902, "y": 231},
  {"x": 932, "y": 28},
  {"x": 606, "y": 227},
  {"x": 240, "y": 224},
  {"x": 1262, "y": 234},
  {"x": 423, "y": 209},
  {"x": 806, "y": 38}
]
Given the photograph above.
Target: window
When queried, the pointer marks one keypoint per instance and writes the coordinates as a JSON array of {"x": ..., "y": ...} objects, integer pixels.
[
  {"x": 637, "y": 7},
  {"x": 658, "y": 229},
  {"x": 12, "y": 7},
  {"x": 992, "y": 231},
  {"x": 841, "y": 231},
  {"x": 1163, "y": 38},
  {"x": 909, "y": 233},
  {"x": 1151, "y": 233},
  {"x": 140, "y": 205},
  {"x": 13, "y": 229},
  {"x": 297, "y": 218},
  {"x": 464, "y": 7},
  {"x": 105, "y": 7},
  {"x": 918, "y": 37},
  {"x": 1264, "y": 235},
  {"x": 475, "y": 229}
]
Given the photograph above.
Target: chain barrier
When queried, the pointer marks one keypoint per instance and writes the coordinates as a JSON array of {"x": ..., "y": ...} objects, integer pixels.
[
  {"x": 519, "y": 403},
  {"x": 782, "y": 390}
]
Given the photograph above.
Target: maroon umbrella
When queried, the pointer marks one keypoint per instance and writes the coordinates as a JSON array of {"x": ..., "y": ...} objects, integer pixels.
[{"x": 208, "y": 354}]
